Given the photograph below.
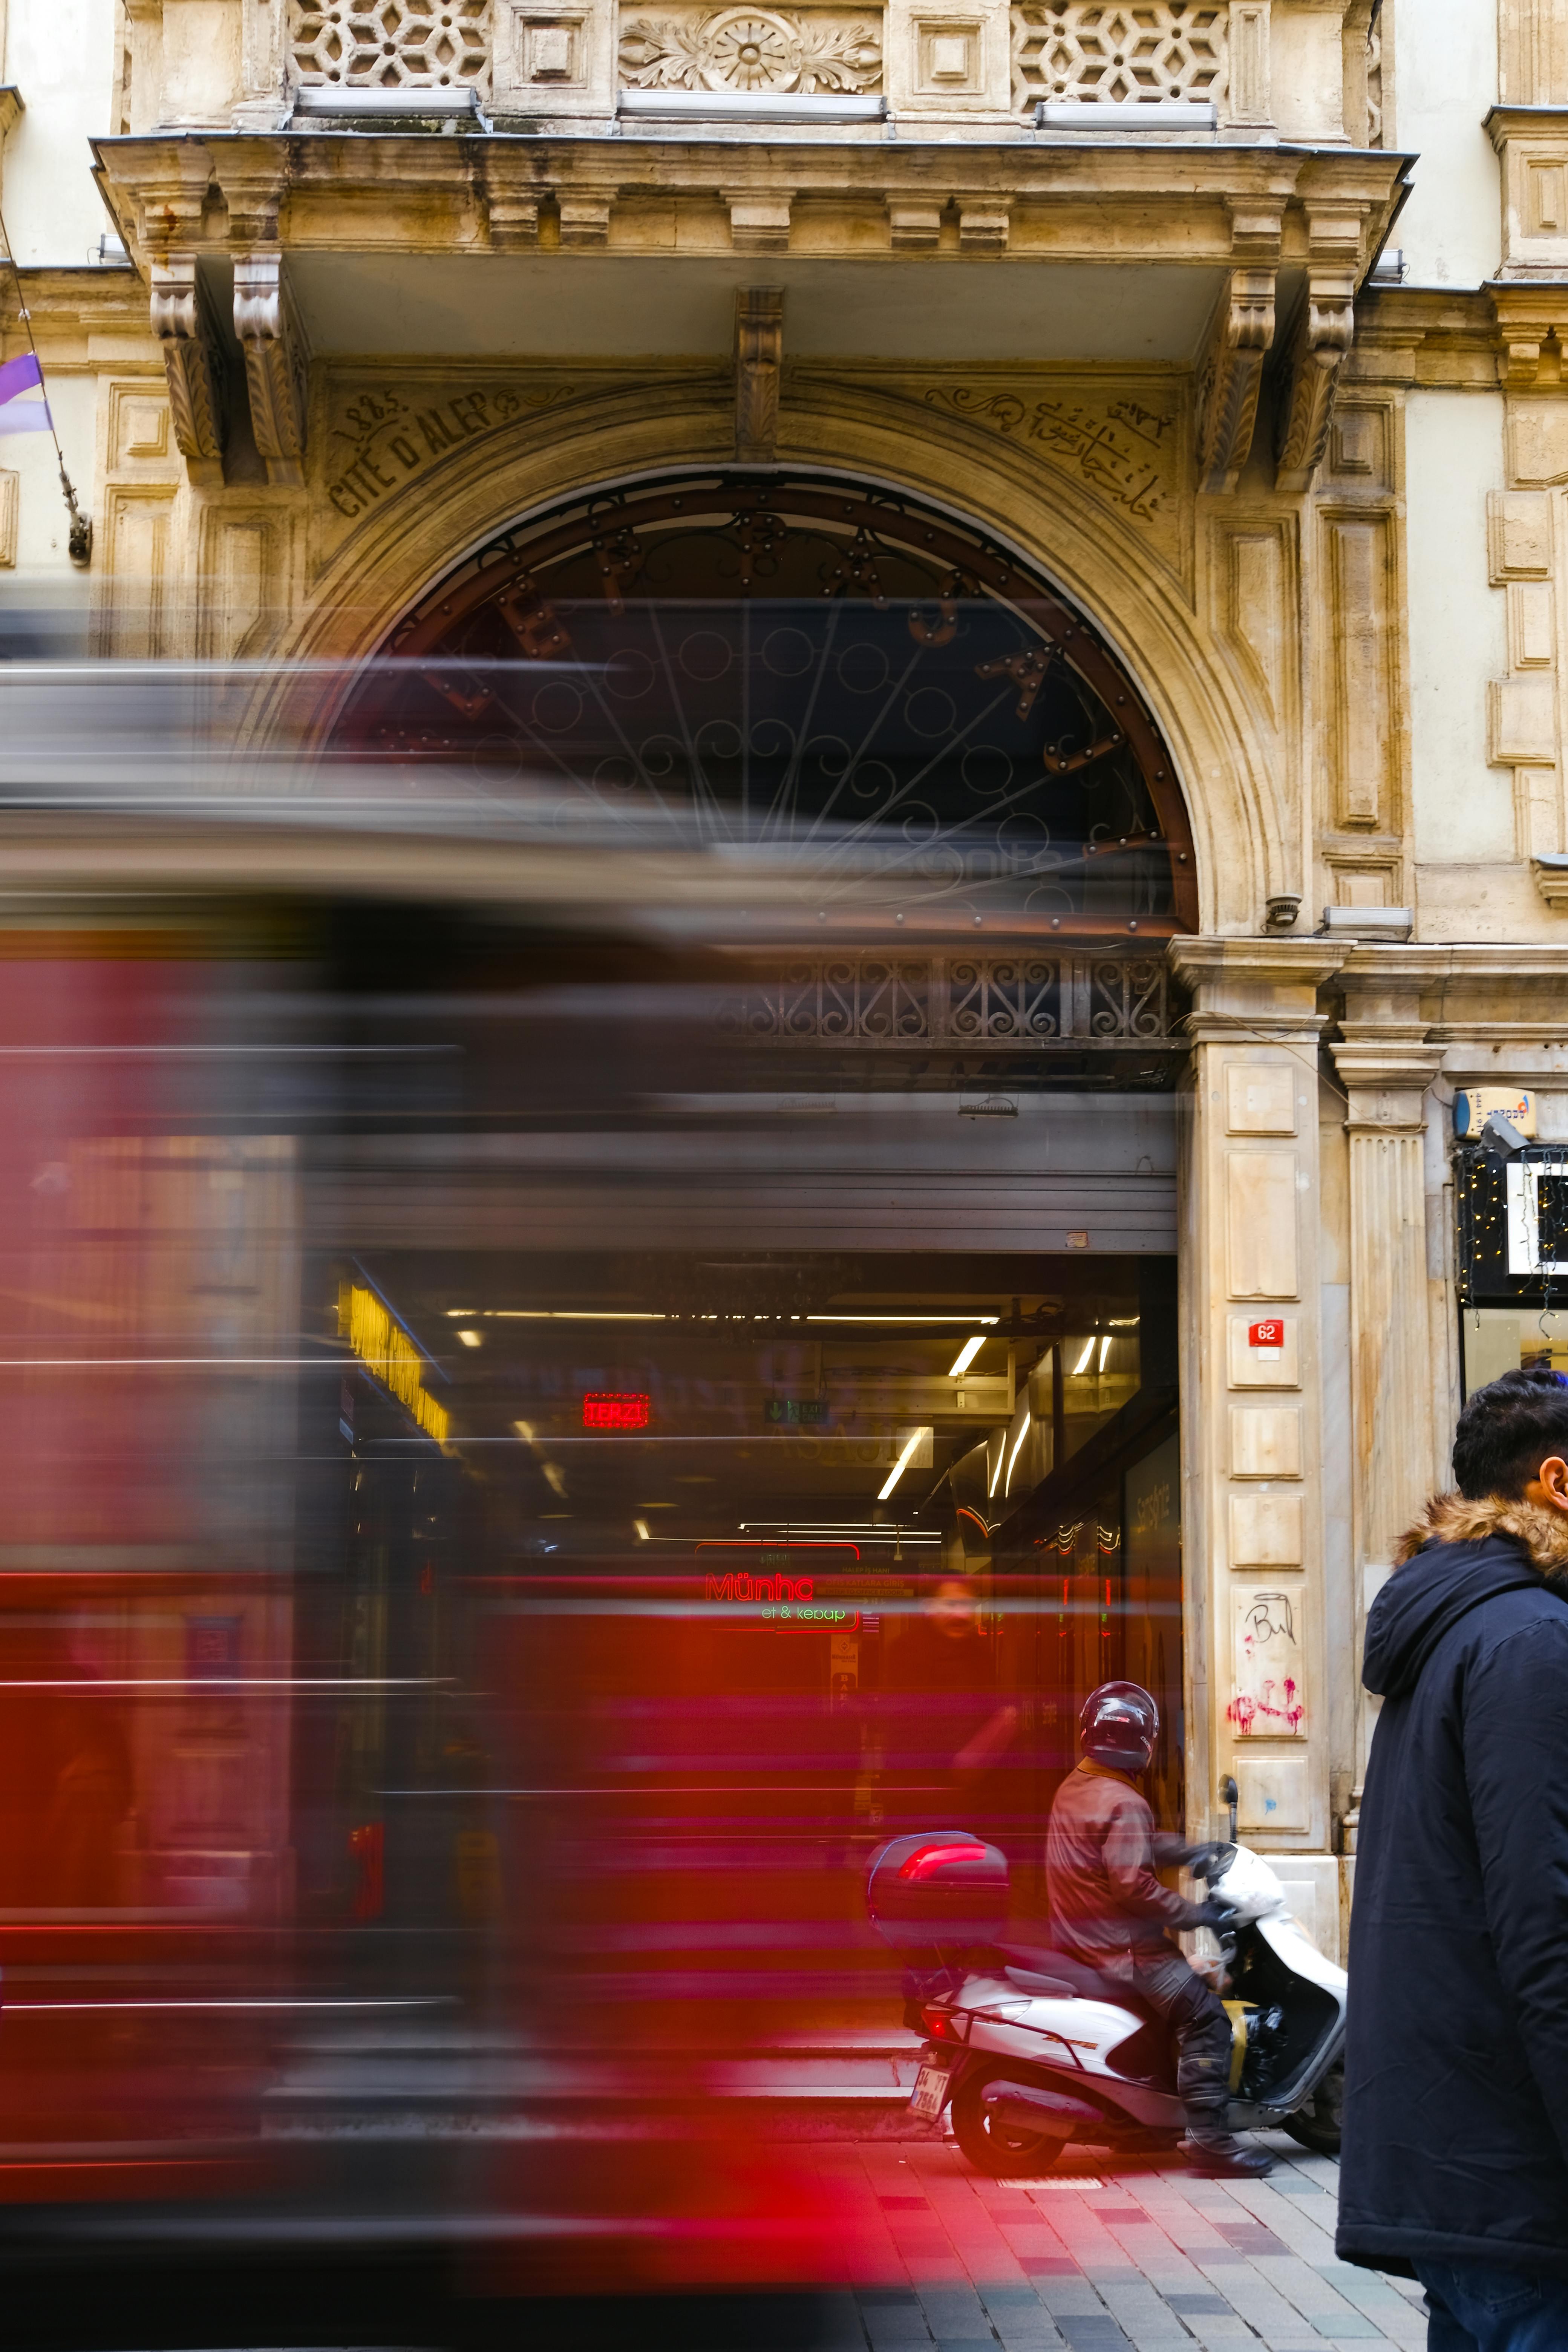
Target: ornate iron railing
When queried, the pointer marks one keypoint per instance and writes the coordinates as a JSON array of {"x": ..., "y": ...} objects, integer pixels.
[{"x": 886, "y": 1002}]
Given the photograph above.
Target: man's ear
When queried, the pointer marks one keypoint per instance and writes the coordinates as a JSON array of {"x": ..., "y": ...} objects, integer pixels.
[{"x": 1553, "y": 1480}]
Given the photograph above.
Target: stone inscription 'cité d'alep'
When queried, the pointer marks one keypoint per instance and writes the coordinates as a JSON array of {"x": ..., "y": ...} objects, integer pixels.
[{"x": 381, "y": 439}]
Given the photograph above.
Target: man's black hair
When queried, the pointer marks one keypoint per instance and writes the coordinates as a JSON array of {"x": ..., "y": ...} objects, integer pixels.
[{"x": 1508, "y": 1430}]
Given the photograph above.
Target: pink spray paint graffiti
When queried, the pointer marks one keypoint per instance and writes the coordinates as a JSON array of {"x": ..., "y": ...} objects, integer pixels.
[{"x": 1269, "y": 1698}]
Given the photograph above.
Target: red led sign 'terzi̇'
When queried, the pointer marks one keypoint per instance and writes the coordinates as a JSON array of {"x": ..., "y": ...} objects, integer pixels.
[{"x": 615, "y": 1408}]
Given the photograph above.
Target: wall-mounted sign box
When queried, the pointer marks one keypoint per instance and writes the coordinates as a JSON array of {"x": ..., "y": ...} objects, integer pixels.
[{"x": 1473, "y": 1106}]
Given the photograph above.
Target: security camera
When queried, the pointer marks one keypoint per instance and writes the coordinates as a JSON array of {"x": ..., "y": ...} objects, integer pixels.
[{"x": 1501, "y": 1134}]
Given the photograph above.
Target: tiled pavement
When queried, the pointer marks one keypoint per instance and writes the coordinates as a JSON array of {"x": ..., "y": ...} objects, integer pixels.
[{"x": 1144, "y": 2255}]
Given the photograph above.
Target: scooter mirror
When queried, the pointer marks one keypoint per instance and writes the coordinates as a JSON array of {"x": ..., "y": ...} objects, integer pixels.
[{"x": 1230, "y": 1796}]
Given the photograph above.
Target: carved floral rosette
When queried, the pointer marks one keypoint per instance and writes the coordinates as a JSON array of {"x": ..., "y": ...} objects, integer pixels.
[{"x": 748, "y": 51}]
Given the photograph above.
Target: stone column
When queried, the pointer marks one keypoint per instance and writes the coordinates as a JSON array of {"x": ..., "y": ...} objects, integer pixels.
[
  {"x": 1386, "y": 1066},
  {"x": 1251, "y": 1407}
]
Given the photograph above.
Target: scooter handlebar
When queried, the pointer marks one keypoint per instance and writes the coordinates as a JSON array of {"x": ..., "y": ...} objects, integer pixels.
[{"x": 1212, "y": 1861}]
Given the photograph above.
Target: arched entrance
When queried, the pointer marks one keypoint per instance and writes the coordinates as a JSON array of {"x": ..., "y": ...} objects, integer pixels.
[
  {"x": 885, "y": 700},
  {"x": 877, "y": 1303}
]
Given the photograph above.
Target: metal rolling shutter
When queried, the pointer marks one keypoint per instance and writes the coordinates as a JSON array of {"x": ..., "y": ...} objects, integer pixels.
[{"x": 890, "y": 1171}]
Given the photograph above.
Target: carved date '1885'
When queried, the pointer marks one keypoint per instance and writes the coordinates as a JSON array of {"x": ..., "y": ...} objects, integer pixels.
[
  {"x": 392, "y": 439},
  {"x": 1114, "y": 456}
]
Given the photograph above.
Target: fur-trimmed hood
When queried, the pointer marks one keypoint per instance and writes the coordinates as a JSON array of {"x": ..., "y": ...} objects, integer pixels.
[
  {"x": 1454, "y": 1518},
  {"x": 1458, "y": 1555}
]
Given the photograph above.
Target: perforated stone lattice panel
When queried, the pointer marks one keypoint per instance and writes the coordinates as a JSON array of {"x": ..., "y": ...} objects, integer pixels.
[
  {"x": 1119, "y": 56},
  {"x": 395, "y": 44}
]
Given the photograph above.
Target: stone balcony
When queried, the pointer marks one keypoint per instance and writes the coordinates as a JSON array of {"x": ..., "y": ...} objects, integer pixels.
[
  {"x": 1308, "y": 72},
  {"x": 747, "y": 189}
]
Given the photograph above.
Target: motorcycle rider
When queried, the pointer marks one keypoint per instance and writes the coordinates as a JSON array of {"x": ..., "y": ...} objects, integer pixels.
[{"x": 1110, "y": 1910}]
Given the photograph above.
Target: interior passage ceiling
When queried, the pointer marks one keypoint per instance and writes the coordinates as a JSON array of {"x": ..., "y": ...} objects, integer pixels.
[{"x": 563, "y": 306}]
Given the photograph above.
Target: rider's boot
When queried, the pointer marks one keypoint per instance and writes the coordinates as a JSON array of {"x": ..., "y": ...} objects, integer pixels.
[{"x": 1210, "y": 2148}]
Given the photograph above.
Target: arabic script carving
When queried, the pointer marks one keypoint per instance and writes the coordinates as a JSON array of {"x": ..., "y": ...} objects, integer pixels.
[{"x": 1127, "y": 453}]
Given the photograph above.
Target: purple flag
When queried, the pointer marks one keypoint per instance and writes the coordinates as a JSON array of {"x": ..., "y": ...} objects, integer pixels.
[
  {"x": 19, "y": 375},
  {"x": 17, "y": 416}
]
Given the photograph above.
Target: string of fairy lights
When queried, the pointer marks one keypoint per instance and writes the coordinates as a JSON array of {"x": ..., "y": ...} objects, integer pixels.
[{"x": 1482, "y": 1203}]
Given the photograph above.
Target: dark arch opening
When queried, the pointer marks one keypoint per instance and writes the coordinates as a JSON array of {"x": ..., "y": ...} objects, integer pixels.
[{"x": 886, "y": 701}]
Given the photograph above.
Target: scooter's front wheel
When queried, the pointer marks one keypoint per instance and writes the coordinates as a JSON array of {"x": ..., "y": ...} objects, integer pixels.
[
  {"x": 993, "y": 2146},
  {"x": 1318, "y": 2125}
]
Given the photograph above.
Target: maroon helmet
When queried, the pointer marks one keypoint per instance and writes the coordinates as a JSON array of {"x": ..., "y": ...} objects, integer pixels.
[{"x": 1119, "y": 1727}]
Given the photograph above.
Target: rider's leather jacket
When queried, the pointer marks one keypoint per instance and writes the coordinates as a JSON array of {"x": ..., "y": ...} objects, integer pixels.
[{"x": 1102, "y": 1852}]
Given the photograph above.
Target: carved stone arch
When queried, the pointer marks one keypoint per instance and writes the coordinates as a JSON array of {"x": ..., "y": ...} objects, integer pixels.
[{"x": 1242, "y": 838}]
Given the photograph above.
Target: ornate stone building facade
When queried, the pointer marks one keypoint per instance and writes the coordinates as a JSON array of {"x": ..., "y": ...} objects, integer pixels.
[{"x": 1238, "y": 327}]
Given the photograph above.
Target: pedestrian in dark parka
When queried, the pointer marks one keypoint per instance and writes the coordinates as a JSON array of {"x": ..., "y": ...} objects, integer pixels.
[{"x": 1455, "y": 2131}]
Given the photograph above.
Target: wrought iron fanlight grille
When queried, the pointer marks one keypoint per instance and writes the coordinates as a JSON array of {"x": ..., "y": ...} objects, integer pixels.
[{"x": 887, "y": 707}]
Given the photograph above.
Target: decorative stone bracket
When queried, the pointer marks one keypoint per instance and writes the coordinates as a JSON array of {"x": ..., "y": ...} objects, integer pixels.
[
  {"x": 277, "y": 361},
  {"x": 1527, "y": 317},
  {"x": 759, "y": 360},
  {"x": 1232, "y": 375},
  {"x": 1242, "y": 334},
  {"x": 185, "y": 327},
  {"x": 1324, "y": 330}
]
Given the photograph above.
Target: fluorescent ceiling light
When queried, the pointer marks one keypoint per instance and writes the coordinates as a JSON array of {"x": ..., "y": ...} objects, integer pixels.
[
  {"x": 461, "y": 1314},
  {"x": 1104, "y": 1351},
  {"x": 966, "y": 1355},
  {"x": 571, "y": 1314},
  {"x": 470, "y": 1338},
  {"x": 646, "y": 1315},
  {"x": 1082, "y": 1364},
  {"x": 1014, "y": 1456},
  {"x": 833, "y": 1528},
  {"x": 902, "y": 1318},
  {"x": 901, "y": 1464},
  {"x": 641, "y": 1526}
]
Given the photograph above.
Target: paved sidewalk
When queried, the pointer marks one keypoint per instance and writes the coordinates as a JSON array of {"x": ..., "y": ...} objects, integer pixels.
[{"x": 1144, "y": 2255}]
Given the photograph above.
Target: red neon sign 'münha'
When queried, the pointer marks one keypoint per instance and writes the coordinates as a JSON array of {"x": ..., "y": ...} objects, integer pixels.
[{"x": 614, "y": 1409}]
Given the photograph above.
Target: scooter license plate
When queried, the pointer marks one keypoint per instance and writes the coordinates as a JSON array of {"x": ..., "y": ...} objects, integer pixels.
[{"x": 930, "y": 2092}]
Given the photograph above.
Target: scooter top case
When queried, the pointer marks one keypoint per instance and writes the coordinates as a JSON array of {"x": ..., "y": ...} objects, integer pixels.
[{"x": 939, "y": 1890}]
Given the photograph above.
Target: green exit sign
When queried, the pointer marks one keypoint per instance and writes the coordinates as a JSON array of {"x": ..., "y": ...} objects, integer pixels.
[{"x": 797, "y": 1413}]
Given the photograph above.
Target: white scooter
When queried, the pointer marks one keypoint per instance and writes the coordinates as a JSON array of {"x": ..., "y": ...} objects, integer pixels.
[{"x": 1036, "y": 2051}]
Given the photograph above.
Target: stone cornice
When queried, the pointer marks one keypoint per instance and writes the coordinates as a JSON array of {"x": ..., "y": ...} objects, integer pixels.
[
  {"x": 1253, "y": 991},
  {"x": 1378, "y": 1061},
  {"x": 1515, "y": 122},
  {"x": 1426, "y": 335},
  {"x": 1418, "y": 966},
  {"x": 1266, "y": 962},
  {"x": 74, "y": 311},
  {"x": 1135, "y": 202}
]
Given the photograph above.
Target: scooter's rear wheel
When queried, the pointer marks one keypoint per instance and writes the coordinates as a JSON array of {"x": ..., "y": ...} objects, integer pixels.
[
  {"x": 997, "y": 2148},
  {"x": 1318, "y": 2125}
]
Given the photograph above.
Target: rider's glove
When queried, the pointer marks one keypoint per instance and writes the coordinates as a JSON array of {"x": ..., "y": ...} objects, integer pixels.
[
  {"x": 1208, "y": 1861},
  {"x": 1215, "y": 1914}
]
